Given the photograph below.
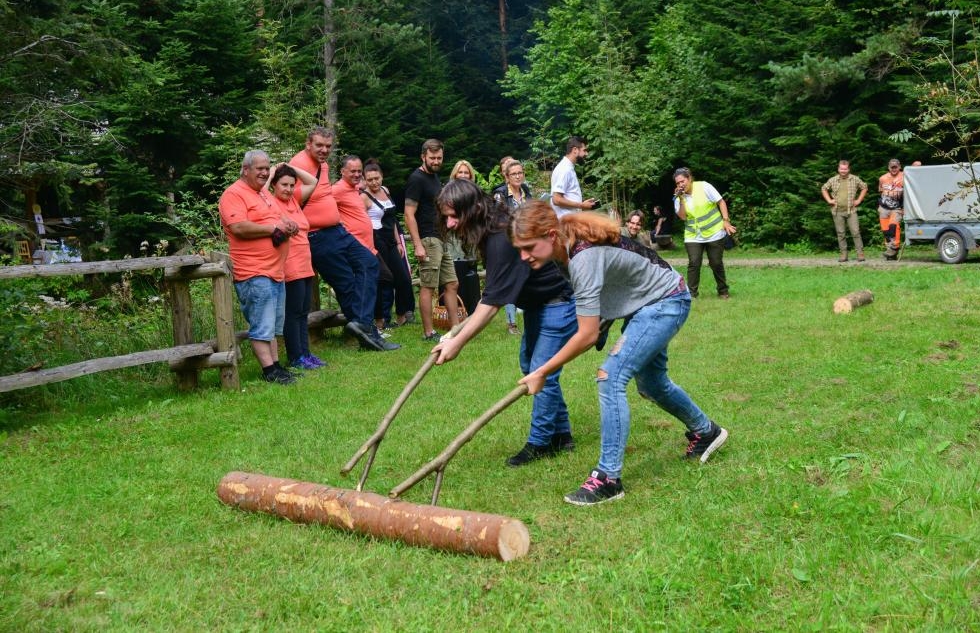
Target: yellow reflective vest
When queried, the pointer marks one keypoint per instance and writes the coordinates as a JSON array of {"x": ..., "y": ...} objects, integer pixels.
[{"x": 703, "y": 215}]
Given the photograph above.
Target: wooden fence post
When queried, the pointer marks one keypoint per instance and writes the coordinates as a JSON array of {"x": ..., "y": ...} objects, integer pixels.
[
  {"x": 224, "y": 320},
  {"x": 180, "y": 301}
]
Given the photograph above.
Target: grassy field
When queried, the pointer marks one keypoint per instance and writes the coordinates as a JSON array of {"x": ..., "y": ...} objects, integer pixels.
[{"x": 847, "y": 496}]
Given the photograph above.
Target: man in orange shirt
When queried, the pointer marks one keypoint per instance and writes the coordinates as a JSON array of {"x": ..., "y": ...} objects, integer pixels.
[
  {"x": 891, "y": 186},
  {"x": 337, "y": 256},
  {"x": 258, "y": 242},
  {"x": 354, "y": 217}
]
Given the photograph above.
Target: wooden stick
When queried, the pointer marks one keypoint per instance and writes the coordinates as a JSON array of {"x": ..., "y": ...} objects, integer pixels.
[
  {"x": 440, "y": 461},
  {"x": 461, "y": 531},
  {"x": 856, "y": 299},
  {"x": 372, "y": 443}
]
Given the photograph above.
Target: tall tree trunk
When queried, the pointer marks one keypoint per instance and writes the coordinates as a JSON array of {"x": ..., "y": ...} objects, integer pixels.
[
  {"x": 329, "y": 70},
  {"x": 502, "y": 12}
]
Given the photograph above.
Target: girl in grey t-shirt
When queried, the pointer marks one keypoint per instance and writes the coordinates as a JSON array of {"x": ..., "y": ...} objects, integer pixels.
[{"x": 614, "y": 279}]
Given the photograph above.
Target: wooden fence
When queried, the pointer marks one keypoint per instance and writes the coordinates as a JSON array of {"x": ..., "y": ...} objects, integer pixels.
[{"x": 187, "y": 358}]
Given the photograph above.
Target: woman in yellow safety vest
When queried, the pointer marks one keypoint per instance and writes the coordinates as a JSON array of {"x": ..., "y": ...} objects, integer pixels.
[{"x": 706, "y": 228}]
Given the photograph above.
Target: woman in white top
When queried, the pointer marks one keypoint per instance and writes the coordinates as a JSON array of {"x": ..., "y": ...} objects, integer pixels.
[{"x": 388, "y": 241}]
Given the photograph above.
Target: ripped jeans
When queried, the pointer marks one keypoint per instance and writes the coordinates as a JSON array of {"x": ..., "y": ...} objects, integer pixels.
[{"x": 641, "y": 352}]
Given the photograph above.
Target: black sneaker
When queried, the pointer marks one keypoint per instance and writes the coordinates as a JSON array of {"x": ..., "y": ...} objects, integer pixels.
[
  {"x": 598, "y": 488},
  {"x": 432, "y": 337},
  {"x": 279, "y": 376},
  {"x": 702, "y": 446},
  {"x": 528, "y": 454},
  {"x": 562, "y": 443}
]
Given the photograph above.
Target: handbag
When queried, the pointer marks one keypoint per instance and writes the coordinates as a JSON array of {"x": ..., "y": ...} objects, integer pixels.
[{"x": 440, "y": 314}]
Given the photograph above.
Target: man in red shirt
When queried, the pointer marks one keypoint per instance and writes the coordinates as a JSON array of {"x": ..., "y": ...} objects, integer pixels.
[
  {"x": 354, "y": 217},
  {"x": 258, "y": 244},
  {"x": 342, "y": 261}
]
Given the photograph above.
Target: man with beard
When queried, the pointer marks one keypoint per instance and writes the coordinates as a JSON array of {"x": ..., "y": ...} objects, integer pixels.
[
  {"x": 421, "y": 218},
  {"x": 566, "y": 193},
  {"x": 337, "y": 256}
]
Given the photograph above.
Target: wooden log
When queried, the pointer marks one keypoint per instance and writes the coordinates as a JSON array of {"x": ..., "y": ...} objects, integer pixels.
[
  {"x": 91, "y": 268},
  {"x": 66, "y": 372},
  {"x": 211, "y": 361},
  {"x": 460, "y": 531},
  {"x": 180, "y": 301},
  {"x": 204, "y": 271},
  {"x": 852, "y": 300}
]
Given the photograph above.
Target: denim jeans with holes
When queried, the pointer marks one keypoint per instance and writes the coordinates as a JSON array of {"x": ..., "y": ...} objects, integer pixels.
[
  {"x": 641, "y": 353},
  {"x": 546, "y": 330}
]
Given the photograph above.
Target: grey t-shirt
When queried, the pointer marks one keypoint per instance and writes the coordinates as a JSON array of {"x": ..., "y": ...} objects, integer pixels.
[{"x": 612, "y": 282}]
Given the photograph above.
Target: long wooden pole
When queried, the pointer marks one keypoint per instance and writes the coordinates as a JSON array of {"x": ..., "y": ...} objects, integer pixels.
[
  {"x": 461, "y": 531},
  {"x": 438, "y": 464},
  {"x": 372, "y": 443}
]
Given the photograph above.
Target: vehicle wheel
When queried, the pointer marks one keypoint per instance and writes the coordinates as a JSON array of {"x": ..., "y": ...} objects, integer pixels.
[{"x": 951, "y": 248}]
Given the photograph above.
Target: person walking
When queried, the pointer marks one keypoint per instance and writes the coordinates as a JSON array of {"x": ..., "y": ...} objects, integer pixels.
[
  {"x": 615, "y": 278},
  {"x": 706, "y": 227}
]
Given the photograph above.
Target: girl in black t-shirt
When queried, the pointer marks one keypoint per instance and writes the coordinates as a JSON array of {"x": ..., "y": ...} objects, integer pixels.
[{"x": 544, "y": 295}]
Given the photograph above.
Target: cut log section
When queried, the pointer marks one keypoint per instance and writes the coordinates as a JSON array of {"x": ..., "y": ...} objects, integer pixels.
[
  {"x": 856, "y": 299},
  {"x": 460, "y": 531}
]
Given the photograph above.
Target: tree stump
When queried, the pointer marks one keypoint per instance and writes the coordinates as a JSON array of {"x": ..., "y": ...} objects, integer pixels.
[
  {"x": 852, "y": 300},
  {"x": 461, "y": 531}
]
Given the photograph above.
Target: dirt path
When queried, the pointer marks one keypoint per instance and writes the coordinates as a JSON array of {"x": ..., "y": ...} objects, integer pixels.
[{"x": 828, "y": 261}]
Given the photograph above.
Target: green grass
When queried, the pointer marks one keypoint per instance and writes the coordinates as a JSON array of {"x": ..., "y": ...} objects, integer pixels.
[{"x": 846, "y": 497}]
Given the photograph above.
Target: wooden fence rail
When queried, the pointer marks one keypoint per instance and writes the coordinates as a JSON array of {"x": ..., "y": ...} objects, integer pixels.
[{"x": 187, "y": 358}]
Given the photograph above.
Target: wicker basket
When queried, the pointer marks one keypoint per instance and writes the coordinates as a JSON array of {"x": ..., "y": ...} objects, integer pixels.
[{"x": 440, "y": 314}]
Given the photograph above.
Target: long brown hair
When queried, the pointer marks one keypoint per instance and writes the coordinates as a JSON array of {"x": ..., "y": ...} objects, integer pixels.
[{"x": 535, "y": 219}]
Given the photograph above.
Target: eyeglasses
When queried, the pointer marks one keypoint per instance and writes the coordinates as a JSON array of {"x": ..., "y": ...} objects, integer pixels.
[{"x": 515, "y": 173}]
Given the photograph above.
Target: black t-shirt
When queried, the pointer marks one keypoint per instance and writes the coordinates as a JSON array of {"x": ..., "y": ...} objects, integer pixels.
[
  {"x": 510, "y": 280},
  {"x": 423, "y": 188}
]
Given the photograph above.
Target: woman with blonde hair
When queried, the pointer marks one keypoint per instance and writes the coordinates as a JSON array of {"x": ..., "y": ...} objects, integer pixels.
[
  {"x": 615, "y": 279},
  {"x": 463, "y": 169}
]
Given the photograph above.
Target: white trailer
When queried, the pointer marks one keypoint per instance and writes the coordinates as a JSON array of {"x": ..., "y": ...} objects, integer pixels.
[{"x": 942, "y": 208}]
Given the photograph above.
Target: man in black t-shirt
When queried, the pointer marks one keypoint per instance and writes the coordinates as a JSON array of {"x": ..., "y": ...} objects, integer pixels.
[{"x": 435, "y": 263}]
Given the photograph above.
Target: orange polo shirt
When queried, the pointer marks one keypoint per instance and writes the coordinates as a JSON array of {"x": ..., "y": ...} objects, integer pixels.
[
  {"x": 321, "y": 208},
  {"x": 298, "y": 263},
  {"x": 256, "y": 257},
  {"x": 353, "y": 215}
]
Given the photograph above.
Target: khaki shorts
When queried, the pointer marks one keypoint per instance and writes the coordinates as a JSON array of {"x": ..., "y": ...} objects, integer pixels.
[{"x": 438, "y": 268}]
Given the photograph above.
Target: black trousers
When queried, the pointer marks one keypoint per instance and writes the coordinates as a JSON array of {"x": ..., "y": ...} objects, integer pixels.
[{"x": 695, "y": 255}]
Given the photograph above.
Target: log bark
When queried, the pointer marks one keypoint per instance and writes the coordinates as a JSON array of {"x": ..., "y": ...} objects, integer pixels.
[
  {"x": 852, "y": 300},
  {"x": 460, "y": 531}
]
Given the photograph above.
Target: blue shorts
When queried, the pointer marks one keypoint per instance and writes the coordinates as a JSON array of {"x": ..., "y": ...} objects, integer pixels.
[{"x": 263, "y": 303}]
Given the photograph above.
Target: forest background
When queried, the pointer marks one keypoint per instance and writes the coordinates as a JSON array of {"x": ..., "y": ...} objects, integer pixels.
[{"x": 129, "y": 118}]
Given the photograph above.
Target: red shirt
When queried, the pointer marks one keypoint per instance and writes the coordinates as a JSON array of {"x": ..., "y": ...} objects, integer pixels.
[
  {"x": 321, "y": 208},
  {"x": 353, "y": 215},
  {"x": 256, "y": 257}
]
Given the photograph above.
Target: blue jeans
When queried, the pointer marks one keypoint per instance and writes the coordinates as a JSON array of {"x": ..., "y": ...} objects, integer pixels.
[
  {"x": 546, "y": 330},
  {"x": 350, "y": 269},
  {"x": 641, "y": 352},
  {"x": 263, "y": 304},
  {"x": 511, "y": 311}
]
